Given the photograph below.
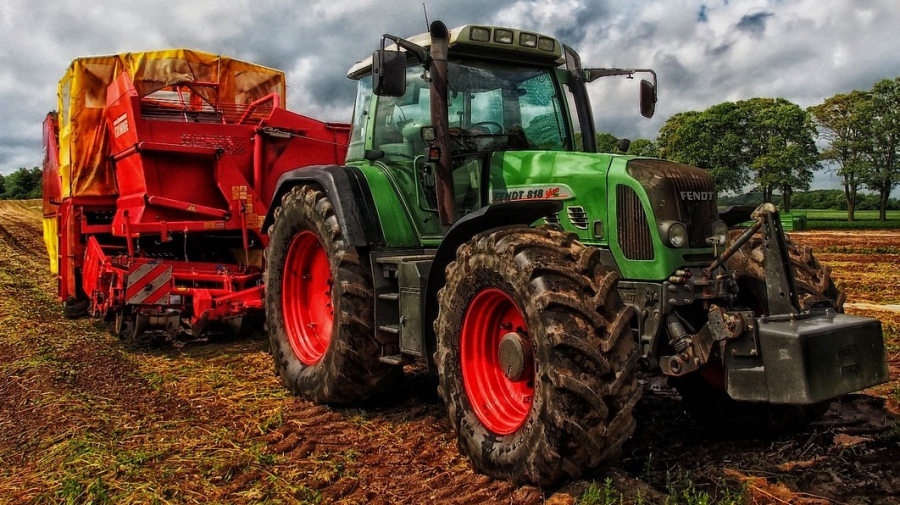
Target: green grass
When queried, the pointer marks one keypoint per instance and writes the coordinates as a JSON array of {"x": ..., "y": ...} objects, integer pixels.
[
  {"x": 597, "y": 494},
  {"x": 837, "y": 219},
  {"x": 860, "y": 215},
  {"x": 683, "y": 490},
  {"x": 887, "y": 249}
]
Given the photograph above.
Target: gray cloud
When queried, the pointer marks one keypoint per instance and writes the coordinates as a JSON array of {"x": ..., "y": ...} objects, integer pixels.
[
  {"x": 754, "y": 24},
  {"x": 585, "y": 17},
  {"x": 705, "y": 52}
]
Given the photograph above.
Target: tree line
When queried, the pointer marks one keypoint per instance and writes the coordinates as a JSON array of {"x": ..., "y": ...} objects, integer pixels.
[
  {"x": 22, "y": 184},
  {"x": 770, "y": 144},
  {"x": 819, "y": 199}
]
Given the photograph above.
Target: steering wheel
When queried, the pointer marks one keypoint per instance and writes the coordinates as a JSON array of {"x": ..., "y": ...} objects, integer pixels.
[
  {"x": 397, "y": 117},
  {"x": 487, "y": 125}
]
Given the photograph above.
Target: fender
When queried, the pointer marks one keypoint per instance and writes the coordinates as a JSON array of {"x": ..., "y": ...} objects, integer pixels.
[
  {"x": 349, "y": 193},
  {"x": 498, "y": 215}
]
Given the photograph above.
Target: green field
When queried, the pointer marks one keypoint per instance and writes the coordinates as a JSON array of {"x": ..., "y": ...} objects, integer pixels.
[{"x": 864, "y": 219}]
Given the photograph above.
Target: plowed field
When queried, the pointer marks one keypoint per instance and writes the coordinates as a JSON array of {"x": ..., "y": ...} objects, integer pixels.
[{"x": 85, "y": 417}]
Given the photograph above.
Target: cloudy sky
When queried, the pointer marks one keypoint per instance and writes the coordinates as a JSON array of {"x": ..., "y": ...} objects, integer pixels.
[{"x": 705, "y": 52}]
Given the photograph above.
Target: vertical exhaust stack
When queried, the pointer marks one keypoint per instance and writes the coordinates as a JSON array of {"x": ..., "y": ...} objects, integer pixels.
[{"x": 440, "y": 39}]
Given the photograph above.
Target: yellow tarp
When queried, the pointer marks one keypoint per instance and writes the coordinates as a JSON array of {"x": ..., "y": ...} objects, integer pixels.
[
  {"x": 50, "y": 240},
  {"x": 83, "y": 141}
]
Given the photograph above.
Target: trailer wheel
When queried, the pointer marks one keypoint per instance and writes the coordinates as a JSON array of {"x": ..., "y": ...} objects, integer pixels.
[
  {"x": 703, "y": 393},
  {"x": 535, "y": 357},
  {"x": 76, "y": 308},
  {"x": 319, "y": 305}
]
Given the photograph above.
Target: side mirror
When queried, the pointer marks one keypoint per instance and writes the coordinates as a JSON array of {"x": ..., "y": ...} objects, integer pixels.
[
  {"x": 648, "y": 98},
  {"x": 389, "y": 73}
]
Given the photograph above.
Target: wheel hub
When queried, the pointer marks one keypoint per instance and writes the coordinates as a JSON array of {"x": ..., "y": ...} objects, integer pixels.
[
  {"x": 515, "y": 354},
  {"x": 501, "y": 390}
]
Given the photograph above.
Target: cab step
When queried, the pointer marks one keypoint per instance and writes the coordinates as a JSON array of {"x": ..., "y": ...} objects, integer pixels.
[{"x": 393, "y": 359}]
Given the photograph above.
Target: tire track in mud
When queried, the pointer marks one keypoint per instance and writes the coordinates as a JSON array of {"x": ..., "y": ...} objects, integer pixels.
[{"x": 193, "y": 426}]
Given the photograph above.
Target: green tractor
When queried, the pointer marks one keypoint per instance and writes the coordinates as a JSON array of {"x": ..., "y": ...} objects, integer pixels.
[{"x": 472, "y": 232}]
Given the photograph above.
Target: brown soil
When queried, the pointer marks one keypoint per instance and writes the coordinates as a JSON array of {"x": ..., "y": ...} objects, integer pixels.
[{"x": 85, "y": 417}]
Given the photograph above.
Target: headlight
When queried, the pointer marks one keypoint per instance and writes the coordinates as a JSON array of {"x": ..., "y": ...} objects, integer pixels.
[
  {"x": 673, "y": 233},
  {"x": 720, "y": 232},
  {"x": 677, "y": 235}
]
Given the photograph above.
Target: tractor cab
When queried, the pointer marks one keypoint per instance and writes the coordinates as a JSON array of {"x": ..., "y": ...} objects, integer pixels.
[{"x": 500, "y": 97}]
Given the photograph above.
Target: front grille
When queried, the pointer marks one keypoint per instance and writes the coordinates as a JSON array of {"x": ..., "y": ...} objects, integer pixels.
[
  {"x": 697, "y": 215},
  {"x": 578, "y": 217},
  {"x": 633, "y": 229},
  {"x": 679, "y": 193}
]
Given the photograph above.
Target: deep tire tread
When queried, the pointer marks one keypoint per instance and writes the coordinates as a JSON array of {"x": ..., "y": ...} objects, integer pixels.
[
  {"x": 585, "y": 386},
  {"x": 350, "y": 371}
]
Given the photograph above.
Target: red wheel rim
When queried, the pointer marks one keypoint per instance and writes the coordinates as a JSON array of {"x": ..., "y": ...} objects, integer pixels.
[
  {"x": 502, "y": 405},
  {"x": 306, "y": 298}
]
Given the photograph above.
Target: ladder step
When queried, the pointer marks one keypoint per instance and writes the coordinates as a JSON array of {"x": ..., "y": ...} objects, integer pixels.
[
  {"x": 389, "y": 296},
  {"x": 394, "y": 359},
  {"x": 390, "y": 328},
  {"x": 397, "y": 259}
]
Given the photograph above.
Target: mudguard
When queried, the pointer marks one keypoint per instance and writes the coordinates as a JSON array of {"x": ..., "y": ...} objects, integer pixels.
[{"x": 348, "y": 191}]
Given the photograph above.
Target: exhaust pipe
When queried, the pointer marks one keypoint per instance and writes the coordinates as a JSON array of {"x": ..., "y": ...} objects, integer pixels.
[{"x": 440, "y": 40}]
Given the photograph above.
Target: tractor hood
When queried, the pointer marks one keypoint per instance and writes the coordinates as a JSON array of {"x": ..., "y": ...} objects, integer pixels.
[{"x": 621, "y": 202}]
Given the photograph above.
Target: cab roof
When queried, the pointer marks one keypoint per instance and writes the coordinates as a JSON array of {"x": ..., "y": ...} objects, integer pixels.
[{"x": 490, "y": 42}]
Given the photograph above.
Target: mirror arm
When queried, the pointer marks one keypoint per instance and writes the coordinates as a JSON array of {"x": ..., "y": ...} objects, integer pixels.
[
  {"x": 414, "y": 49},
  {"x": 592, "y": 74}
]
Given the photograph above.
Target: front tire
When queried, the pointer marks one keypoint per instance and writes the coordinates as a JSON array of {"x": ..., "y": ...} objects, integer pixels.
[
  {"x": 319, "y": 305},
  {"x": 535, "y": 357}
]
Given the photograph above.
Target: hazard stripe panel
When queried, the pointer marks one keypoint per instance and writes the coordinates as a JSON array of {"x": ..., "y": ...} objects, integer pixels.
[{"x": 148, "y": 284}]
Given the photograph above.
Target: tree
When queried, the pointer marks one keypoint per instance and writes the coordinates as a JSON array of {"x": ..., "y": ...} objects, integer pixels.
[
  {"x": 607, "y": 143},
  {"x": 2, "y": 187},
  {"x": 712, "y": 140},
  {"x": 841, "y": 122},
  {"x": 780, "y": 142},
  {"x": 768, "y": 138},
  {"x": 884, "y": 141},
  {"x": 644, "y": 147},
  {"x": 23, "y": 183}
]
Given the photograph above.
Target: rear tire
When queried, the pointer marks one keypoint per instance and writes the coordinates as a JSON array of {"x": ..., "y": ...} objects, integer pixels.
[
  {"x": 703, "y": 393},
  {"x": 319, "y": 305},
  {"x": 566, "y": 406}
]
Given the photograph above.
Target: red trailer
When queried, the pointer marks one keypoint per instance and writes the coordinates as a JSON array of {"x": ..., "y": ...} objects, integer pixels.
[{"x": 159, "y": 168}]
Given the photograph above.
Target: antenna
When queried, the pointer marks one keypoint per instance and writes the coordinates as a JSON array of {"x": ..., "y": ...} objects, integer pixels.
[{"x": 427, "y": 26}]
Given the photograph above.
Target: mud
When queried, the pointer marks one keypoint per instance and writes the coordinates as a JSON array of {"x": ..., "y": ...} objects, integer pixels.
[{"x": 85, "y": 417}]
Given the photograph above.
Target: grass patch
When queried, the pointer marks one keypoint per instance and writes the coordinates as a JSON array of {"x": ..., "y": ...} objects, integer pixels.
[
  {"x": 682, "y": 489},
  {"x": 889, "y": 249},
  {"x": 828, "y": 224},
  {"x": 837, "y": 220},
  {"x": 837, "y": 215},
  {"x": 604, "y": 494}
]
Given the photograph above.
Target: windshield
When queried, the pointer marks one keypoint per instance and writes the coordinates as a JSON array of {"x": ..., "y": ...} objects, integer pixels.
[
  {"x": 491, "y": 107},
  {"x": 517, "y": 103}
]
